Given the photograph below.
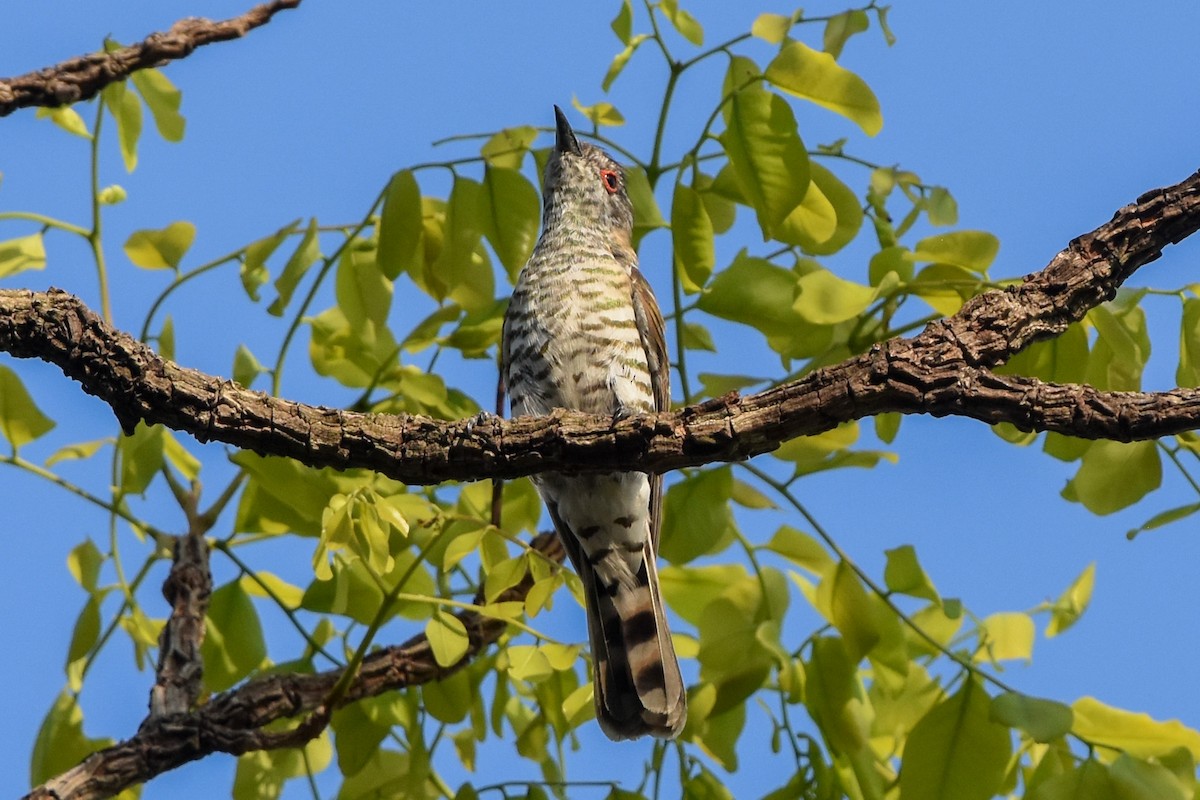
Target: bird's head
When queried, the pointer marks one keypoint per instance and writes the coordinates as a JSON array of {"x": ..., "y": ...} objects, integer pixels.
[{"x": 584, "y": 185}]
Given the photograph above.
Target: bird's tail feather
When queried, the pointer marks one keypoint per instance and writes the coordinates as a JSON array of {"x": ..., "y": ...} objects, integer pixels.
[{"x": 638, "y": 686}]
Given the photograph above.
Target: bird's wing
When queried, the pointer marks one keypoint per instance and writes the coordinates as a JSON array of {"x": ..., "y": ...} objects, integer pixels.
[{"x": 654, "y": 341}]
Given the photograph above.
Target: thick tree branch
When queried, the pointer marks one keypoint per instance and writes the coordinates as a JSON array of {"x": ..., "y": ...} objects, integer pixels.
[
  {"x": 944, "y": 370},
  {"x": 234, "y": 722},
  {"x": 83, "y": 77}
]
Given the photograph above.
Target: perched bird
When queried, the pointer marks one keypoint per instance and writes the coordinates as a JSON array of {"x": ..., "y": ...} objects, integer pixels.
[{"x": 584, "y": 332}]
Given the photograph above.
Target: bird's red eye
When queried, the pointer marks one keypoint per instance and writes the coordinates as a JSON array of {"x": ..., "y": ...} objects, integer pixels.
[{"x": 612, "y": 181}]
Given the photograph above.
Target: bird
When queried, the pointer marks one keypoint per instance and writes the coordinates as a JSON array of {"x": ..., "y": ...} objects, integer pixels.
[{"x": 584, "y": 332}]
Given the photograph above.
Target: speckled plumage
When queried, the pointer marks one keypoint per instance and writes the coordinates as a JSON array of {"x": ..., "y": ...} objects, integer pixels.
[{"x": 584, "y": 332}]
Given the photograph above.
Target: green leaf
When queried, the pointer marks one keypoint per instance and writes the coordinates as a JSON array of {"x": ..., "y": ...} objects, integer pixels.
[
  {"x": 160, "y": 249},
  {"x": 689, "y": 590},
  {"x": 83, "y": 638},
  {"x": 768, "y": 158},
  {"x": 126, "y": 111},
  {"x": 363, "y": 292},
  {"x": 356, "y": 737},
  {"x": 22, "y": 253},
  {"x": 233, "y": 645},
  {"x": 772, "y": 28},
  {"x": 684, "y": 22},
  {"x": 357, "y": 355},
  {"x": 747, "y": 496},
  {"x": 1114, "y": 475},
  {"x": 833, "y": 695},
  {"x": 697, "y": 337},
  {"x": 141, "y": 457},
  {"x": 447, "y": 638},
  {"x": 881, "y": 12},
  {"x": 829, "y": 217},
  {"x": 646, "y": 214},
  {"x": 449, "y": 699},
  {"x": 163, "y": 100},
  {"x": 66, "y": 118},
  {"x": 1007, "y": 636},
  {"x": 850, "y": 611},
  {"x": 617, "y": 65},
  {"x": 283, "y": 495},
  {"x": 887, "y": 426},
  {"x": 697, "y": 519},
  {"x": 261, "y": 775},
  {"x": 462, "y": 266},
  {"x": 20, "y": 419},
  {"x": 956, "y": 751},
  {"x": 1137, "y": 734},
  {"x": 940, "y": 207},
  {"x": 512, "y": 213},
  {"x": 601, "y": 114},
  {"x": 826, "y": 299},
  {"x": 75, "y": 452},
  {"x": 622, "y": 24},
  {"x": 351, "y": 593},
  {"x": 754, "y": 292},
  {"x": 812, "y": 222},
  {"x": 1043, "y": 720},
  {"x": 84, "y": 564},
  {"x": 718, "y": 737},
  {"x": 692, "y": 237},
  {"x": 282, "y": 592},
  {"x": 401, "y": 229},
  {"x": 1136, "y": 779},
  {"x": 802, "y": 550},
  {"x": 732, "y": 656},
  {"x": 305, "y": 255},
  {"x": 178, "y": 456},
  {"x": 254, "y": 262},
  {"x": 1062, "y": 359},
  {"x": 1122, "y": 346},
  {"x": 246, "y": 367},
  {"x": 973, "y": 250},
  {"x": 507, "y": 148},
  {"x": 722, "y": 211},
  {"x": 504, "y": 575},
  {"x": 1073, "y": 602},
  {"x": 841, "y": 27},
  {"x": 351, "y": 525},
  {"x": 816, "y": 76},
  {"x": 1164, "y": 518},
  {"x": 61, "y": 743},
  {"x": 904, "y": 574},
  {"x": 525, "y": 663},
  {"x": 166, "y": 338},
  {"x": 1187, "y": 375}
]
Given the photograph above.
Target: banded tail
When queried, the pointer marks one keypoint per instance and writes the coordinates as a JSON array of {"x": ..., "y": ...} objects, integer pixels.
[{"x": 638, "y": 687}]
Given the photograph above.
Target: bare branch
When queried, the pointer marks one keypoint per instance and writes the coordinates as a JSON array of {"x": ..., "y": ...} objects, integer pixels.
[
  {"x": 83, "y": 77},
  {"x": 234, "y": 722},
  {"x": 187, "y": 588},
  {"x": 944, "y": 370}
]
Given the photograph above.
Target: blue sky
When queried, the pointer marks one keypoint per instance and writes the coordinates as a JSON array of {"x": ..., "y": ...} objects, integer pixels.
[{"x": 1041, "y": 118}]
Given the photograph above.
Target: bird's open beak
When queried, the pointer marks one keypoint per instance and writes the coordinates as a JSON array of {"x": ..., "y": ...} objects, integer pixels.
[{"x": 565, "y": 140}]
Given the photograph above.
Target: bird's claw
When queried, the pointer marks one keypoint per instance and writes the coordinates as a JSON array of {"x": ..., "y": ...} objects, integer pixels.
[{"x": 480, "y": 419}]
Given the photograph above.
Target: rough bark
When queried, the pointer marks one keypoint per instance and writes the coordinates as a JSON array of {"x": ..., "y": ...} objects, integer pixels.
[
  {"x": 234, "y": 722},
  {"x": 82, "y": 78},
  {"x": 944, "y": 370}
]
